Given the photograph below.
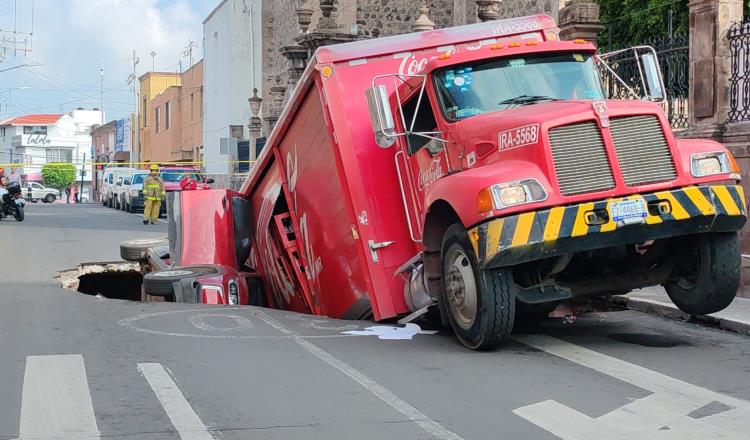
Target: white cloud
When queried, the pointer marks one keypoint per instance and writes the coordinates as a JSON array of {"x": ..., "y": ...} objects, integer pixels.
[{"x": 74, "y": 38}]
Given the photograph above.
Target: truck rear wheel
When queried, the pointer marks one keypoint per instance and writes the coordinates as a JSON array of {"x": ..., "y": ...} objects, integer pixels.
[
  {"x": 161, "y": 283},
  {"x": 707, "y": 275},
  {"x": 480, "y": 304}
]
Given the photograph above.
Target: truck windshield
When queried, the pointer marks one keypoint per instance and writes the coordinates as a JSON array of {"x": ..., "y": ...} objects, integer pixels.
[
  {"x": 138, "y": 178},
  {"x": 499, "y": 84},
  {"x": 177, "y": 175}
]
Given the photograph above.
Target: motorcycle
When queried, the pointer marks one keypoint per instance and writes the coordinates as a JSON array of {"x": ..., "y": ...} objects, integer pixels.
[{"x": 12, "y": 202}]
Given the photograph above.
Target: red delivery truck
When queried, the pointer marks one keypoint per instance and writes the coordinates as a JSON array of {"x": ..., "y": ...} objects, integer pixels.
[{"x": 470, "y": 169}]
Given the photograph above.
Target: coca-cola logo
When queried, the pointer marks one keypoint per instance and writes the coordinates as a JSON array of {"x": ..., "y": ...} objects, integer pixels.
[
  {"x": 432, "y": 174},
  {"x": 414, "y": 65}
]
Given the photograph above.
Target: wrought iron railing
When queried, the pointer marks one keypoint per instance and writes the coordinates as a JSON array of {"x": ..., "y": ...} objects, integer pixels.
[
  {"x": 739, "y": 89},
  {"x": 673, "y": 55}
]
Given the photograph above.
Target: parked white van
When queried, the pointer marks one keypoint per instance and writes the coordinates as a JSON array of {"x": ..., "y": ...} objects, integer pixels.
[{"x": 109, "y": 180}]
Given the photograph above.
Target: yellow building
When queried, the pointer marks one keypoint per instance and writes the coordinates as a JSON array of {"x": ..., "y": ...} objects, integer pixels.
[{"x": 152, "y": 85}]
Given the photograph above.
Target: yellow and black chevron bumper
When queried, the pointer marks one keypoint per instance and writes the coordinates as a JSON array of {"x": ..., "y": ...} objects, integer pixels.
[{"x": 566, "y": 229}]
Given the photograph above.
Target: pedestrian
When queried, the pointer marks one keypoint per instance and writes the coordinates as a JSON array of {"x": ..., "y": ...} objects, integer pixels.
[
  {"x": 74, "y": 193},
  {"x": 153, "y": 192},
  {"x": 14, "y": 177},
  {"x": 67, "y": 194}
]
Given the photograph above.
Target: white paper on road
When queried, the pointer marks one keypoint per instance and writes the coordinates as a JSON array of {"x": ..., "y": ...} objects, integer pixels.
[
  {"x": 56, "y": 402},
  {"x": 187, "y": 423},
  {"x": 389, "y": 332},
  {"x": 661, "y": 415}
]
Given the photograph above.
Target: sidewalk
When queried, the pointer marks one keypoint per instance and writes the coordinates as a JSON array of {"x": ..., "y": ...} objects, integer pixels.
[{"x": 654, "y": 300}]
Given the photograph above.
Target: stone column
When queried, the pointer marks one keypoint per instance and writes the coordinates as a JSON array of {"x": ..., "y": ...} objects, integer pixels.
[
  {"x": 423, "y": 22},
  {"x": 710, "y": 64},
  {"x": 255, "y": 125},
  {"x": 488, "y": 10},
  {"x": 579, "y": 19},
  {"x": 326, "y": 32}
]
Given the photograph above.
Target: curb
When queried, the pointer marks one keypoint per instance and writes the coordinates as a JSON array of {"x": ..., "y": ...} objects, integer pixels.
[{"x": 668, "y": 310}]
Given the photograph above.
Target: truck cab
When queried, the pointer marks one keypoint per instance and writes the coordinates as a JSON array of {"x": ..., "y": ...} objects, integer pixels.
[{"x": 525, "y": 186}]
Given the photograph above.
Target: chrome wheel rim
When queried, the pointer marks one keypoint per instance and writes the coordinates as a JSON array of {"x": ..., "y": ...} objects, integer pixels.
[{"x": 461, "y": 289}]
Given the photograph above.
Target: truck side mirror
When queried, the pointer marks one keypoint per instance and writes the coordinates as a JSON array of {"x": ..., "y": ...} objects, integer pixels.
[
  {"x": 633, "y": 72},
  {"x": 381, "y": 117},
  {"x": 653, "y": 78}
]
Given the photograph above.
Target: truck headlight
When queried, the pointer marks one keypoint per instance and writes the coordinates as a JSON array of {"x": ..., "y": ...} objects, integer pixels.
[
  {"x": 134, "y": 193},
  {"x": 504, "y": 195},
  {"x": 710, "y": 164}
]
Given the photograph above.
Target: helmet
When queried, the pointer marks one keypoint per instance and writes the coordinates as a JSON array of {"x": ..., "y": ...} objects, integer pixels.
[{"x": 154, "y": 167}]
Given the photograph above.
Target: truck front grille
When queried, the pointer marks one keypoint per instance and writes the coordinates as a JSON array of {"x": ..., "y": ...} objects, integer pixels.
[
  {"x": 642, "y": 150},
  {"x": 580, "y": 158}
]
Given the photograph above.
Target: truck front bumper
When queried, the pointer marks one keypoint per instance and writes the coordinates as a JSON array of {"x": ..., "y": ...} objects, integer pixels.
[{"x": 562, "y": 230}]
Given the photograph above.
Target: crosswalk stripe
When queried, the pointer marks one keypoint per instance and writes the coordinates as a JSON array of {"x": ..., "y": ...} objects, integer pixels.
[
  {"x": 56, "y": 402},
  {"x": 187, "y": 423}
]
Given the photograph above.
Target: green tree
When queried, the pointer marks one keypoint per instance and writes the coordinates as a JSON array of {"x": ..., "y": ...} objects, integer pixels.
[
  {"x": 630, "y": 22},
  {"x": 58, "y": 175}
]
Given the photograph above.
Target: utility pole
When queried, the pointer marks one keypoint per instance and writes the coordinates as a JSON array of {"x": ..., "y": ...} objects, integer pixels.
[
  {"x": 188, "y": 51},
  {"x": 133, "y": 82},
  {"x": 83, "y": 173},
  {"x": 101, "y": 94}
]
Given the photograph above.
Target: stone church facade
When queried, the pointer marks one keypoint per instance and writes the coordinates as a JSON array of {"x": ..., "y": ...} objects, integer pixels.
[{"x": 288, "y": 23}]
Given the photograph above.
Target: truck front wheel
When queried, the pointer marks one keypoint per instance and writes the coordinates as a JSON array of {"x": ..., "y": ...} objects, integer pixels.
[
  {"x": 707, "y": 275},
  {"x": 480, "y": 305}
]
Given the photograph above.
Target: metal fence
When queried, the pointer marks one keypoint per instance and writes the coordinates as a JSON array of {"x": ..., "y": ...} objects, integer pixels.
[
  {"x": 739, "y": 89},
  {"x": 673, "y": 54}
]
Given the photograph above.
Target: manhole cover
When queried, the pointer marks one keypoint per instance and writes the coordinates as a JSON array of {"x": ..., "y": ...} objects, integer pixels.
[{"x": 649, "y": 340}]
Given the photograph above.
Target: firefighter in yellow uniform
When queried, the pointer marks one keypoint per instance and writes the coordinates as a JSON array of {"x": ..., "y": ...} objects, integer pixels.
[{"x": 153, "y": 192}]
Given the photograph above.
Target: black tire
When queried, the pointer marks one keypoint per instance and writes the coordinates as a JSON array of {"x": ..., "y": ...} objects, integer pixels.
[
  {"x": 129, "y": 208},
  {"x": 109, "y": 202},
  {"x": 134, "y": 250},
  {"x": 19, "y": 215},
  {"x": 493, "y": 313},
  {"x": 707, "y": 277},
  {"x": 50, "y": 198},
  {"x": 161, "y": 283}
]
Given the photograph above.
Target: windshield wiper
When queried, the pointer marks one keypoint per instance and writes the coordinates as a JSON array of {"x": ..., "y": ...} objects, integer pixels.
[{"x": 526, "y": 99}]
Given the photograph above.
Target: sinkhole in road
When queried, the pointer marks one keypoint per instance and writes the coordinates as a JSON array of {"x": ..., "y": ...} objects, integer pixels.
[{"x": 112, "y": 280}]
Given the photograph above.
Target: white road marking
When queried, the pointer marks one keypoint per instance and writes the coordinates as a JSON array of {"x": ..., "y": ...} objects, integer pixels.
[
  {"x": 430, "y": 426},
  {"x": 241, "y": 322},
  {"x": 661, "y": 415},
  {"x": 56, "y": 402},
  {"x": 187, "y": 423}
]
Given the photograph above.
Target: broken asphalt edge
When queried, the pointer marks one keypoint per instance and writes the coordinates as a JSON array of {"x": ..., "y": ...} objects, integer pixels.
[{"x": 670, "y": 311}]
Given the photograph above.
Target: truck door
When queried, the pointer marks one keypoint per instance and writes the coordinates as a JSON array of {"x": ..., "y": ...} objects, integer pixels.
[{"x": 420, "y": 159}]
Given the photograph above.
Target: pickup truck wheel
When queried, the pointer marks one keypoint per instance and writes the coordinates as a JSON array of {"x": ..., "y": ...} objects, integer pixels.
[
  {"x": 161, "y": 283},
  {"x": 134, "y": 250},
  {"x": 480, "y": 304},
  {"x": 50, "y": 198},
  {"x": 707, "y": 276}
]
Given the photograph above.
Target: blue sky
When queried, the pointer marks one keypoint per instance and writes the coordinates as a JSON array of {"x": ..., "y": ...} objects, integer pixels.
[{"x": 74, "y": 39}]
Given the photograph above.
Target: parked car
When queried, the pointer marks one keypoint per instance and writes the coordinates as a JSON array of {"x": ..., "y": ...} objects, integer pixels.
[
  {"x": 172, "y": 175},
  {"x": 133, "y": 192},
  {"x": 121, "y": 185},
  {"x": 36, "y": 191},
  {"x": 109, "y": 179}
]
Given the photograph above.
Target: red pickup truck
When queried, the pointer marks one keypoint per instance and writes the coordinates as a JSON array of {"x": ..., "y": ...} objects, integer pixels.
[{"x": 472, "y": 170}]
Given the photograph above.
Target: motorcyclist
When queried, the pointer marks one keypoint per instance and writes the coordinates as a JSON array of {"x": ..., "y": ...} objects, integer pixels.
[{"x": 153, "y": 191}]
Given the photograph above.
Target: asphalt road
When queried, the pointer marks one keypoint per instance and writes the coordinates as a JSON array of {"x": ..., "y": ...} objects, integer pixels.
[{"x": 79, "y": 367}]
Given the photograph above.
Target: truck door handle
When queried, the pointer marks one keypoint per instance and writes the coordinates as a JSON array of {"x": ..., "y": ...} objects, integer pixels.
[{"x": 374, "y": 246}]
